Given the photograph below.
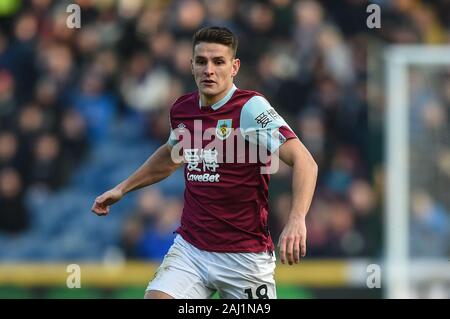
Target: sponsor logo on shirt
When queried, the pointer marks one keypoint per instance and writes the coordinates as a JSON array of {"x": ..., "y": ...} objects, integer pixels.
[
  {"x": 205, "y": 178},
  {"x": 267, "y": 117},
  {"x": 263, "y": 119},
  {"x": 207, "y": 159}
]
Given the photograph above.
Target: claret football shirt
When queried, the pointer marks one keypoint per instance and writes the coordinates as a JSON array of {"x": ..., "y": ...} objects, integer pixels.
[{"x": 227, "y": 149}]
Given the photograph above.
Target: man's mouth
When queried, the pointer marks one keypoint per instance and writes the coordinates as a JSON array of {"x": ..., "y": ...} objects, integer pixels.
[{"x": 208, "y": 82}]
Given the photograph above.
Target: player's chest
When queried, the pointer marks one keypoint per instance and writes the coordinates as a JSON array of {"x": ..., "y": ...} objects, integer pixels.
[{"x": 207, "y": 126}]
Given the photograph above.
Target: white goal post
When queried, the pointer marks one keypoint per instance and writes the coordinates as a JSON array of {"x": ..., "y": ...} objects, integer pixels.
[{"x": 398, "y": 265}]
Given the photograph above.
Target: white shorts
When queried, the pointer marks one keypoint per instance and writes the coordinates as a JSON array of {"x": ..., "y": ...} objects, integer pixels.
[{"x": 190, "y": 273}]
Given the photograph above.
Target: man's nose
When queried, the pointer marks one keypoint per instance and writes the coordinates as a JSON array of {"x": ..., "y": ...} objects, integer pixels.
[{"x": 209, "y": 69}]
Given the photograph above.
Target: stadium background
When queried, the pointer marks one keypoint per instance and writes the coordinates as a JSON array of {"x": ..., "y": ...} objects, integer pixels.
[{"x": 80, "y": 109}]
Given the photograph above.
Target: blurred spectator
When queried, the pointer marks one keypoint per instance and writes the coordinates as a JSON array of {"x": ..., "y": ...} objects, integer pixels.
[
  {"x": 13, "y": 214},
  {"x": 149, "y": 204},
  {"x": 283, "y": 18},
  {"x": 97, "y": 106},
  {"x": 427, "y": 24},
  {"x": 182, "y": 63},
  {"x": 311, "y": 128},
  {"x": 46, "y": 169},
  {"x": 5, "y": 53},
  {"x": 188, "y": 17},
  {"x": 31, "y": 122},
  {"x": 7, "y": 101},
  {"x": 398, "y": 25},
  {"x": 308, "y": 22},
  {"x": 162, "y": 45},
  {"x": 74, "y": 138},
  {"x": 149, "y": 232},
  {"x": 106, "y": 64},
  {"x": 344, "y": 168},
  {"x": 22, "y": 52},
  {"x": 221, "y": 12},
  {"x": 143, "y": 87},
  {"x": 57, "y": 30},
  {"x": 368, "y": 221},
  {"x": 46, "y": 96},
  {"x": 337, "y": 56},
  {"x": 88, "y": 41},
  {"x": 350, "y": 15},
  {"x": 56, "y": 62},
  {"x": 343, "y": 240},
  {"x": 9, "y": 151},
  {"x": 132, "y": 231},
  {"x": 430, "y": 227},
  {"x": 159, "y": 235},
  {"x": 257, "y": 19}
]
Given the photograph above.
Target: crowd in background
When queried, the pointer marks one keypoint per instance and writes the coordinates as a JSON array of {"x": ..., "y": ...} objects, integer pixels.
[{"x": 62, "y": 89}]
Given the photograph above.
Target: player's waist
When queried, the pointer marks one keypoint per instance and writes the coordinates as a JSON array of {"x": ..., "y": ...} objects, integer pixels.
[{"x": 226, "y": 242}]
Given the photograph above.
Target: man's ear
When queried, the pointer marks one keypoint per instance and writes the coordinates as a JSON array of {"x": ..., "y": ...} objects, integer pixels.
[
  {"x": 192, "y": 66},
  {"x": 235, "y": 68}
]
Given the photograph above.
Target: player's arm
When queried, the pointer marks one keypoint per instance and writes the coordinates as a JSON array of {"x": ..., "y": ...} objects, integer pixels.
[
  {"x": 262, "y": 125},
  {"x": 292, "y": 241},
  {"x": 157, "y": 167}
]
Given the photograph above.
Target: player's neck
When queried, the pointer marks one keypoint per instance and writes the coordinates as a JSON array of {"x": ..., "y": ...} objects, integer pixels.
[{"x": 208, "y": 100}]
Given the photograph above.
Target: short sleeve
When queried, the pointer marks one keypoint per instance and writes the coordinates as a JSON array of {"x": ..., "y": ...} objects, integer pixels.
[
  {"x": 262, "y": 125},
  {"x": 172, "y": 140}
]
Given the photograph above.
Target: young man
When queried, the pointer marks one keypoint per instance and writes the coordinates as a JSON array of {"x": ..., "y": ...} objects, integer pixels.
[{"x": 223, "y": 243}]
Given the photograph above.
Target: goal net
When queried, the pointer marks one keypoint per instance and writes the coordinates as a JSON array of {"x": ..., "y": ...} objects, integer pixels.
[{"x": 417, "y": 220}]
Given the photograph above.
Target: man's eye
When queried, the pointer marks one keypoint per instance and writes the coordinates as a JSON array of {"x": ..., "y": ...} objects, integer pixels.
[
  {"x": 219, "y": 62},
  {"x": 200, "y": 62}
]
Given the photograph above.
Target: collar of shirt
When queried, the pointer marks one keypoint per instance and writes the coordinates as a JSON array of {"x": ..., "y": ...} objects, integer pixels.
[{"x": 222, "y": 101}]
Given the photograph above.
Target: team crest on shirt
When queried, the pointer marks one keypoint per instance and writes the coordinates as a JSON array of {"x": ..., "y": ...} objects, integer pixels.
[{"x": 223, "y": 128}]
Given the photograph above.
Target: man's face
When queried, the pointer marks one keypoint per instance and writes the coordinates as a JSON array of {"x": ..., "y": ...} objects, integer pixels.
[{"x": 213, "y": 68}]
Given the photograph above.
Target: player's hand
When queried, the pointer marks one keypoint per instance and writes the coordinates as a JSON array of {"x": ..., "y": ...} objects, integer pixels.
[
  {"x": 104, "y": 201},
  {"x": 292, "y": 242}
]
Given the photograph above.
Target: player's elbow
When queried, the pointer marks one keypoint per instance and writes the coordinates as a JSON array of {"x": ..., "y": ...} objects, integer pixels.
[
  {"x": 308, "y": 163},
  {"x": 309, "y": 159},
  {"x": 314, "y": 167}
]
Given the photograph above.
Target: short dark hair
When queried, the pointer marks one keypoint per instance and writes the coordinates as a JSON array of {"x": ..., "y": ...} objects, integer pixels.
[{"x": 216, "y": 34}]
